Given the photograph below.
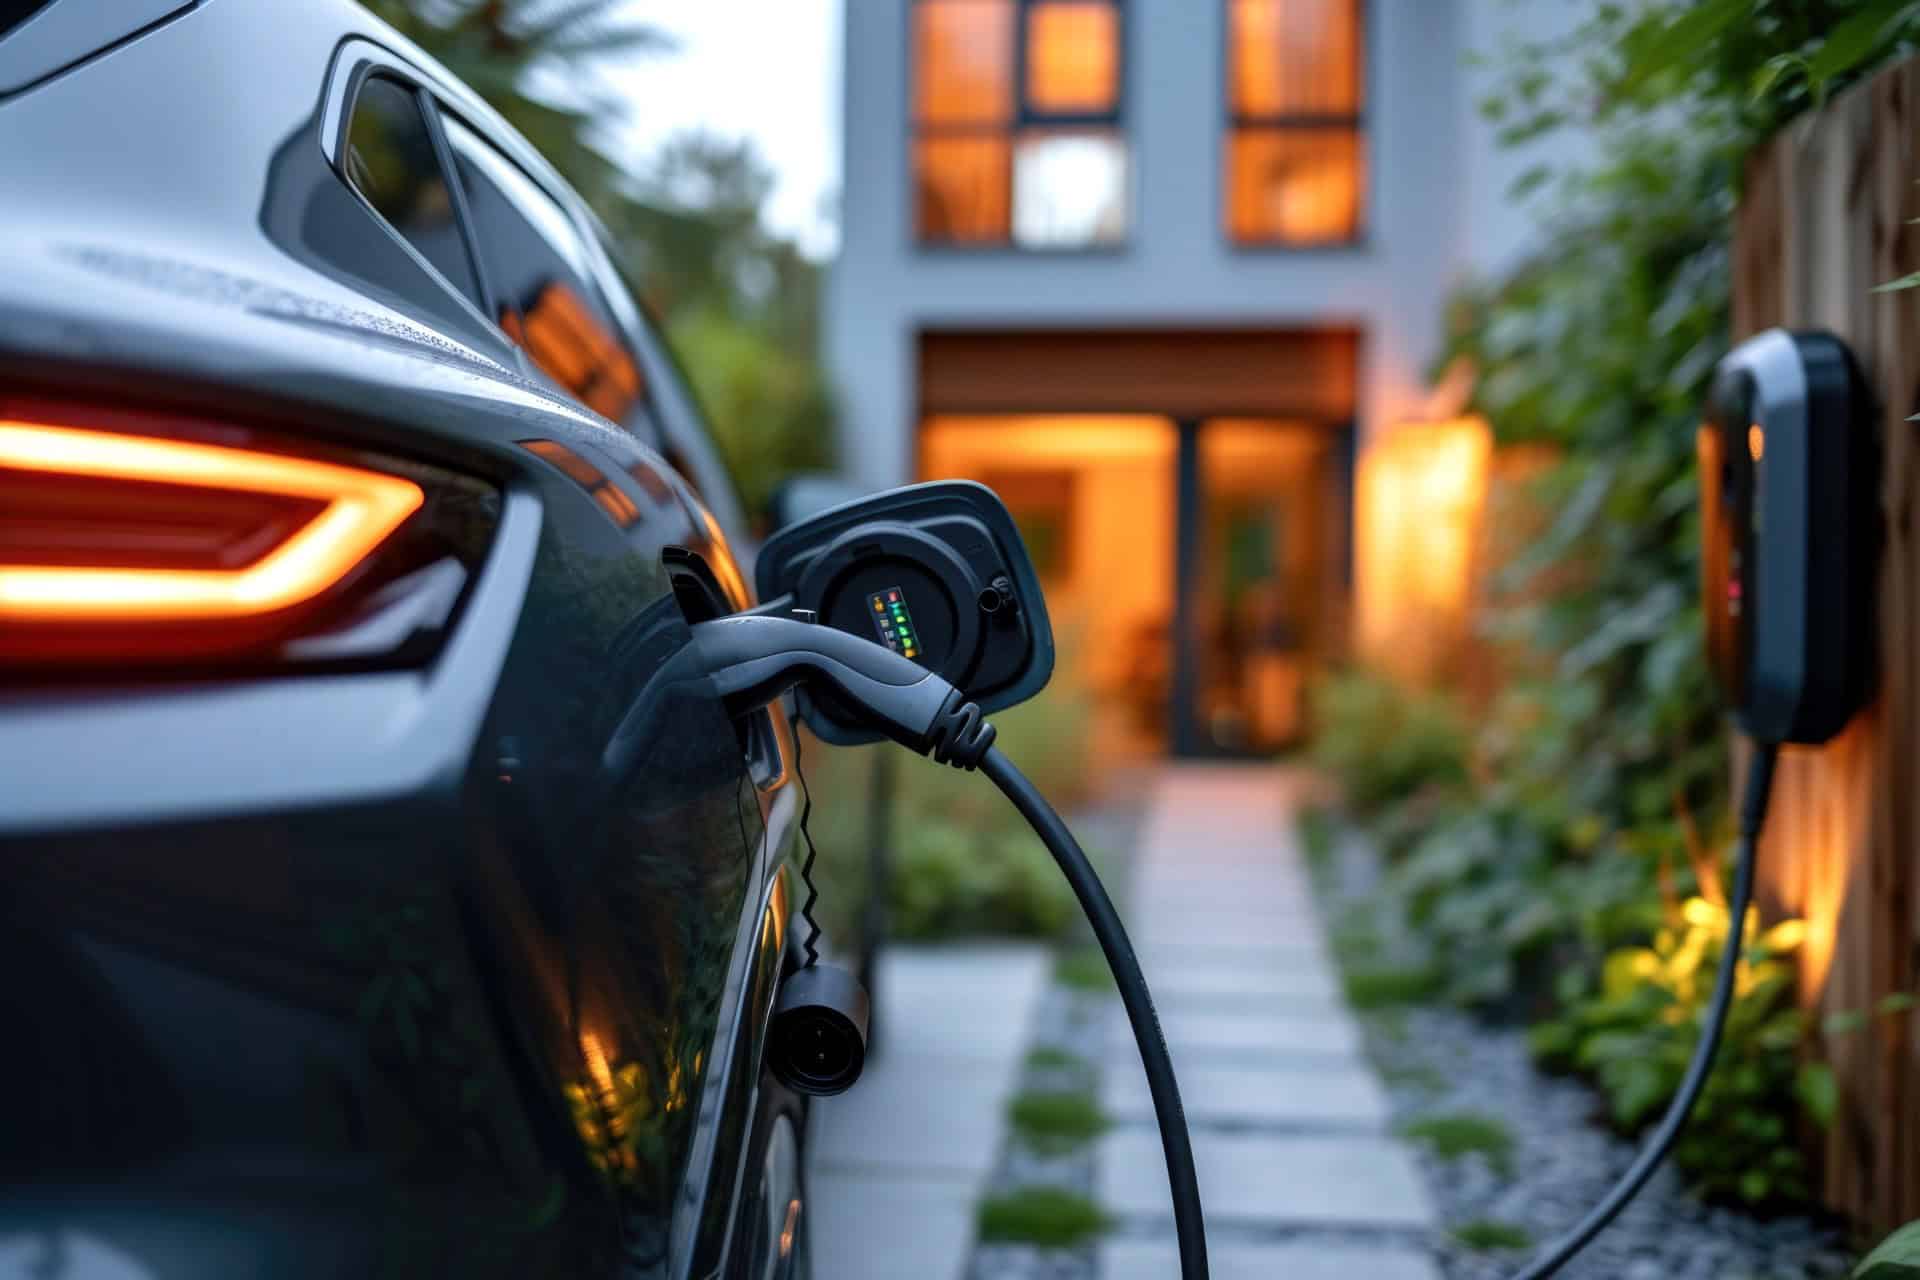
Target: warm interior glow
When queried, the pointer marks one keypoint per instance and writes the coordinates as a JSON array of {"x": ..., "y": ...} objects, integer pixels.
[
  {"x": 1095, "y": 497},
  {"x": 363, "y": 507},
  {"x": 963, "y": 187},
  {"x": 1106, "y": 548},
  {"x": 1295, "y": 186},
  {"x": 1073, "y": 62},
  {"x": 1295, "y": 57},
  {"x": 963, "y": 61},
  {"x": 1421, "y": 488}
]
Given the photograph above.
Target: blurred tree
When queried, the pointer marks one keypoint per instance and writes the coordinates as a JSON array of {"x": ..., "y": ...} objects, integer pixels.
[
  {"x": 739, "y": 304},
  {"x": 499, "y": 46}
]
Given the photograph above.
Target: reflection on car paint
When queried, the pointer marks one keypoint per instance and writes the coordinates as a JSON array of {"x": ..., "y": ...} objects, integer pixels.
[
  {"x": 565, "y": 339},
  {"x": 619, "y": 507}
]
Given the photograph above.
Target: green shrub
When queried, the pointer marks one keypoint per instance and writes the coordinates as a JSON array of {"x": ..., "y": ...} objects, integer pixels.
[
  {"x": 1387, "y": 744},
  {"x": 1454, "y": 1134},
  {"x": 1635, "y": 1033},
  {"x": 1387, "y": 988},
  {"x": 1048, "y": 1216}
]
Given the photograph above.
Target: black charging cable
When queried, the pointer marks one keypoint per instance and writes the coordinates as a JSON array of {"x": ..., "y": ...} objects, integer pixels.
[
  {"x": 1188, "y": 1224},
  {"x": 1753, "y": 813},
  {"x": 753, "y": 659}
]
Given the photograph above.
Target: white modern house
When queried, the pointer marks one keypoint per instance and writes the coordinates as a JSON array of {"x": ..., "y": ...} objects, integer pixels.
[{"x": 1154, "y": 269}]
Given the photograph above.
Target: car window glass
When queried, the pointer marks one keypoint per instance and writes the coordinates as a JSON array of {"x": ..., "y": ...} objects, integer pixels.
[
  {"x": 539, "y": 272},
  {"x": 390, "y": 159}
]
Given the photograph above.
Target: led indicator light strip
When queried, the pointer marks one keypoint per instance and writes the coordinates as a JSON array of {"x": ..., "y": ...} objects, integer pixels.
[{"x": 894, "y": 623}]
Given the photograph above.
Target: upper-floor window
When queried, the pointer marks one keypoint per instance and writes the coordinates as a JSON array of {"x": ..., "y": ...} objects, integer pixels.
[
  {"x": 1295, "y": 150},
  {"x": 1016, "y": 123}
]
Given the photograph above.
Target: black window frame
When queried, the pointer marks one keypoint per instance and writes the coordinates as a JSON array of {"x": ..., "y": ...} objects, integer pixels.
[
  {"x": 1024, "y": 119},
  {"x": 1357, "y": 122}
]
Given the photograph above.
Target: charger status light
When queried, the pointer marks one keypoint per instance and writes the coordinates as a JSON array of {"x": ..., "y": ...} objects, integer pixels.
[{"x": 894, "y": 623}]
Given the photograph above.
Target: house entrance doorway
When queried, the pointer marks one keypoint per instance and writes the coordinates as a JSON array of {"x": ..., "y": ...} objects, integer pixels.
[
  {"x": 1194, "y": 566},
  {"x": 1187, "y": 493}
]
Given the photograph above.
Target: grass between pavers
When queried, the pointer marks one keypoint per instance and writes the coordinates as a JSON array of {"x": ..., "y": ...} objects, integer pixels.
[
  {"x": 1454, "y": 1134},
  {"x": 1083, "y": 969},
  {"x": 1484, "y": 1235},
  {"x": 1051, "y": 1057},
  {"x": 1057, "y": 1120},
  {"x": 1052, "y": 1217}
]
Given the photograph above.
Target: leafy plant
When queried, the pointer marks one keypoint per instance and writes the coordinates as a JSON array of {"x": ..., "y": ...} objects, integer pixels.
[
  {"x": 1895, "y": 1258},
  {"x": 1385, "y": 743},
  {"x": 1636, "y": 1032},
  {"x": 1566, "y": 825}
]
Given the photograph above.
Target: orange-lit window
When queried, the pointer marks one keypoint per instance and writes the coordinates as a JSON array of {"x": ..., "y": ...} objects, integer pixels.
[
  {"x": 1017, "y": 137},
  {"x": 1295, "y": 154}
]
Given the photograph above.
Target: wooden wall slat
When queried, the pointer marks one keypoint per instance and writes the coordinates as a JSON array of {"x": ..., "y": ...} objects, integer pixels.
[{"x": 1825, "y": 217}]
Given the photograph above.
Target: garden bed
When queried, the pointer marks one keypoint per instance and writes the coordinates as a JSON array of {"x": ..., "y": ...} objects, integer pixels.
[{"x": 1512, "y": 1156}]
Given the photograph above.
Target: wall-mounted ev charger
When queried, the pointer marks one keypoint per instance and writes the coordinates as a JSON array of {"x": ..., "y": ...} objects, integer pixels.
[
  {"x": 936, "y": 572},
  {"x": 1789, "y": 506},
  {"x": 1790, "y": 528}
]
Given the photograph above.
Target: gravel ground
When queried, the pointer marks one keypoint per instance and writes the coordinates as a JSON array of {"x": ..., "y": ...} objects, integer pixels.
[
  {"x": 1436, "y": 1060},
  {"x": 1075, "y": 1023}
]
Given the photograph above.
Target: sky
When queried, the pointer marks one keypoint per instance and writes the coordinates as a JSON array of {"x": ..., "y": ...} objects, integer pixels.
[{"x": 768, "y": 70}]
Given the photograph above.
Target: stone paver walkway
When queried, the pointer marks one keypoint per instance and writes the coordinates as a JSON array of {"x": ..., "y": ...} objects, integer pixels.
[
  {"x": 1289, "y": 1122},
  {"x": 898, "y": 1162}
]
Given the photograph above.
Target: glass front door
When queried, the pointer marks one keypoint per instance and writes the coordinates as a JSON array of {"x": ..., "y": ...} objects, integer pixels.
[{"x": 1260, "y": 540}]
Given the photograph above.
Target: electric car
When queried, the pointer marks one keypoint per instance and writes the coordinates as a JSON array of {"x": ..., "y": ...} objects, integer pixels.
[{"x": 364, "y": 908}]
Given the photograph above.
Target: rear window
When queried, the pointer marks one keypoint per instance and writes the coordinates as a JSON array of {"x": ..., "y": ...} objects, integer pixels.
[
  {"x": 539, "y": 271},
  {"x": 391, "y": 160}
]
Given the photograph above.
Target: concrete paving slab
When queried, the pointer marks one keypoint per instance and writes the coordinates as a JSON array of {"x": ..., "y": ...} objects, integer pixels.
[
  {"x": 1285, "y": 952},
  {"x": 1230, "y": 1095},
  {"x": 1204, "y": 929},
  {"x": 1268, "y": 1180},
  {"x": 965, "y": 1001},
  {"x": 1175, "y": 982},
  {"x": 915, "y": 1113},
  {"x": 1143, "y": 1260},
  {"x": 878, "y": 1226},
  {"x": 896, "y": 1165},
  {"x": 1194, "y": 1035}
]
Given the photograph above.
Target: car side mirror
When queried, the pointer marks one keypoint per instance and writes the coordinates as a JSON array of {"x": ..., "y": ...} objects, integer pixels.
[{"x": 936, "y": 572}]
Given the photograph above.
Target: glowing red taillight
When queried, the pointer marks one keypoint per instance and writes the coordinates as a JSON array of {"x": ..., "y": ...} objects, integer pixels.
[
  {"x": 347, "y": 513},
  {"x": 124, "y": 536}
]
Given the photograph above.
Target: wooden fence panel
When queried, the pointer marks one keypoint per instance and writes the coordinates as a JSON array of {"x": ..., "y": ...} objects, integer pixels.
[{"x": 1824, "y": 218}]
